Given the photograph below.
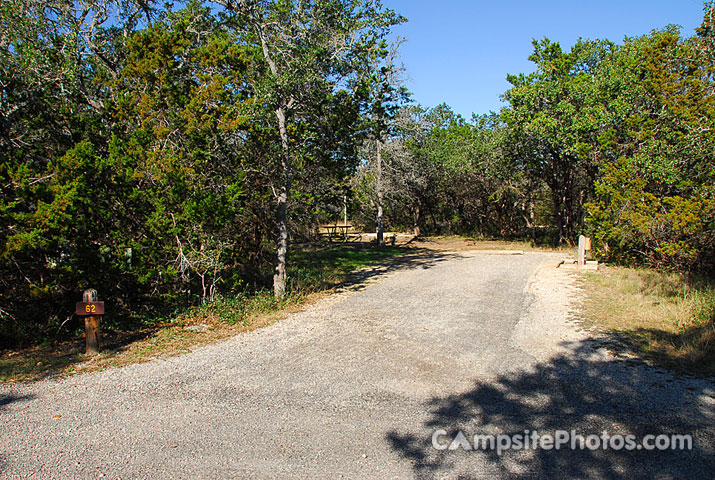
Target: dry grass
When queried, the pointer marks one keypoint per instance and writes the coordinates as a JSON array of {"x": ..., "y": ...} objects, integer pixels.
[
  {"x": 314, "y": 273},
  {"x": 666, "y": 317},
  {"x": 123, "y": 348}
]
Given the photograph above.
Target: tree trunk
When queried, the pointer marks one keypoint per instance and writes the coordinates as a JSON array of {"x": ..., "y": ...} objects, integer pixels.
[
  {"x": 416, "y": 220},
  {"x": 279, "y": 274},
  {"x": 557, "y": 205},
  {"x": 380, "y": 233},
  {"x": 532, "y": 221}
]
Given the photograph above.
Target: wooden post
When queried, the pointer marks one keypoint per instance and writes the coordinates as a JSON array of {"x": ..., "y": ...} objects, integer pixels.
[
  {"x": 581, "y": 250},
  {"x": 345, "y": 210},
  {"x": 91, "y": 324},
  {"x": 345, "y": 218}
]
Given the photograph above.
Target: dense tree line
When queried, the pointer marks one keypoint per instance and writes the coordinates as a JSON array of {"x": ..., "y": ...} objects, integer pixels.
[
  {"x": 444, "y": 175},
  {"x": 622, "y": 135},
  {"x": 615, "y": 141},
  {"x": 165, "y": 153},
  {"x": 161, "y": 152}
]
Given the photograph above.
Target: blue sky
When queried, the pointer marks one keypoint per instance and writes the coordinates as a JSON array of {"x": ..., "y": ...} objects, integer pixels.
[{"x": 460, "y": 51}]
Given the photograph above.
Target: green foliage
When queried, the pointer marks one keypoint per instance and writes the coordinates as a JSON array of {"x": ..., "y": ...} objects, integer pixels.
[
  {"x": 139, "y": 149},
  {"x": 654, "y": 199},
  {"x": 143, "y": 147},
  {"x": 239, "y": 308},
  {"x": 445, "y": 175},
  {"x": 622, "y": 137},
  {"x": 556, "y": 115}
]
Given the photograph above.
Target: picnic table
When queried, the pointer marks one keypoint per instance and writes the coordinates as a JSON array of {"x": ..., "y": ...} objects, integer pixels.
[
  {"x": 344, "y": 233},
  {"x": 337, "y": 231}
]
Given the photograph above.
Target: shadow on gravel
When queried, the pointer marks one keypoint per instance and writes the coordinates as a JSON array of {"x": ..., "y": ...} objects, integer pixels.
[
  {"x": 571, "y": 392},
  {"x": 12, "y": 398},
  {"x": 423, "y": 259}
]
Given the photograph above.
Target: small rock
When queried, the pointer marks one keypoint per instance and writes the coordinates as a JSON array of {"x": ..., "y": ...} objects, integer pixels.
[{"x": 197, "y": 328}]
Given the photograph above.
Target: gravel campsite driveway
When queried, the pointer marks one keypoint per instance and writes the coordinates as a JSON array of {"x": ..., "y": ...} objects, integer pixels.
[{"x": 356, "y": 385}]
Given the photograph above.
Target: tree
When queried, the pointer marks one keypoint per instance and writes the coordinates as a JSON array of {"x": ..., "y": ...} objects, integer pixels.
[
  {"x": 310, "y": 49},
  {"x": 174, "y": 101},
  {"x": 54, "y": 124},
  {"x": 460, "y": 175},
  {"x": 654, "y": 199},
  {"x": 386, "y": 94},
  {"x": 105, "y": 193},
  {"x": 556, "y": 114}
]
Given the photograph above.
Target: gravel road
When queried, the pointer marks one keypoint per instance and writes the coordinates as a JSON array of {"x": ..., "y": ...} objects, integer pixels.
[{"x": 356, "y": 385}]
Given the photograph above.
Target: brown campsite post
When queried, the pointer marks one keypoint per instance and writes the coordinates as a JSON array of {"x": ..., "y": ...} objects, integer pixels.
[{"x": 91, "y": 323}]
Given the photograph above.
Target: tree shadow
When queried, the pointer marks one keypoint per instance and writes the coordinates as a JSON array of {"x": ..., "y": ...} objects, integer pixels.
[
  {"x": 7, "y": 399},
  {"x": 582, "y": 391},
  {"x": 690, "y": 350},
  {"x": 43, "y": 362},
  {"x": 416, "y": 259}
]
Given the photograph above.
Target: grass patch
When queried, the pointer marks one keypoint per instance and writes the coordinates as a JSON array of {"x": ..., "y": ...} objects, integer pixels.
[
  {"x": 665, "y": 317},
  {"x": 313, "y": 271}
]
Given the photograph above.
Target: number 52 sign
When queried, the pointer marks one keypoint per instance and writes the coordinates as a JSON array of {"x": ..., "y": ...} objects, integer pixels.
[{"x": 89, "y": 308}]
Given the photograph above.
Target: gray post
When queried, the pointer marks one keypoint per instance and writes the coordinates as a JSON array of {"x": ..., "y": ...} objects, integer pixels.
[{"x": 581, "y": 250}]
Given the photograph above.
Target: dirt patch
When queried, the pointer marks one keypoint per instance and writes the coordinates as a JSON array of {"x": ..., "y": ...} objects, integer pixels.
[
  {"x": 547, "y": 329},
  {"x": 457, "y": 243}
]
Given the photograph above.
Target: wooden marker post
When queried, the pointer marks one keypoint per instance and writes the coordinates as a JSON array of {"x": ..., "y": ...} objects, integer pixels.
[{"x": 92, "y": 311}]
